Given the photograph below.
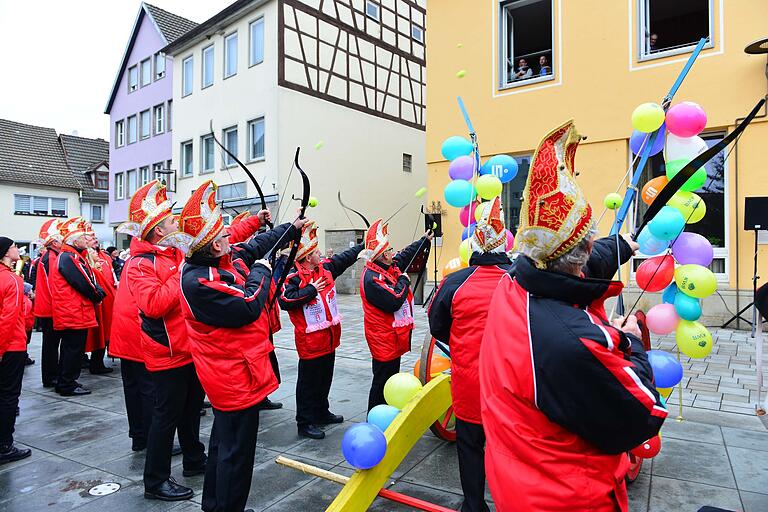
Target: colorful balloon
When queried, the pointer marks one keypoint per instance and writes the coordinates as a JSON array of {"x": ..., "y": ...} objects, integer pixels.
[
  {"x": 454, "y": 147},
  {"x": 363, "y": 445},
  {"x": 382, "y": 416},
  {"x": 652, "y": 188},
  {"x": 687, "y": 308},
  {"x": 668, "y": 297},
  {"x": 438, "y": 365},
  {"x": 693, "y": 339},
  {"x": 638, "y": 140},
  {"x": 510, "y": 241},
  {"x": 467, "y": 212},
  {"x": 662, "y": 319},
  {"x": 686, "y": 119},
  {"x": 649, "y": 244},
  {"x": 464, "y": 251},
  {"x": 479, "y": 211},
  {"x": 452, "y": 266},
  {"x": 613, "y": 201},
  {"x": 693, "y": 183},
  {"x": 667, "y": 370},
  {"x": 648, "y": 449},
  {"x": 467, "y": 231},
  {"x": 667, "y": 224},
  {"x": 695, "y": 280},
  {"x": 654, "y": 274},
  {"x": 693, "y": 249},
  {"x": 647, "y": 117},
  {"x": 400, "y": 388},
  {"x": 462, "y": 168},
  {"x": 488, "y": 186},
  {"x": 690, "y": 205},
  {"x": 503, "y": 167},
  {"x": 664, "y": 392},
  {"x": 683, "y": 148},
  {"x": 459, "y": 193}
]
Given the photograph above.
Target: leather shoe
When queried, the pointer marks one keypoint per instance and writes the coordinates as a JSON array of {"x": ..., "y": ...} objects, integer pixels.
[
  {"x": 12, "y": 454},
  {"x": 138, "y": 445},
  {"x": 176, "y": 450},
  {"x": 269, "y": 405},
  {"x": 78, "y": 391},
  {"x": 169, "y": 491},
  {"x": 311, "y": 432},
  {"x": 101, "y": 371},
  {"x": 330, "y": 419}
]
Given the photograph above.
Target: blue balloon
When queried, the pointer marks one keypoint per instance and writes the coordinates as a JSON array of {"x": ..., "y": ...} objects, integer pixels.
[
  {"x": 503, "y": 167},
  {"x": 454, "y": 147},
  {"x": 649, "y": 244},
  {"x": 688, "y": 308},
  {"x": 670, "y": 292},
  {"x": 363, "y": 445},
  {"x": 382, "y": 415},
  {"x": 637, "y": 141},
  {"x": 460, "y": 193},
  {"x": 667, "y": 371},
  {"x": 667, "y": 224},
  {"x": 468, "y": 231}
]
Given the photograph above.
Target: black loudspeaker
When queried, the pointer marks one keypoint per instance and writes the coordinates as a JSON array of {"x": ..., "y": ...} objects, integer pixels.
[
  {"x": 755, "y": 213},
  {"x": 434, "y": 221}
]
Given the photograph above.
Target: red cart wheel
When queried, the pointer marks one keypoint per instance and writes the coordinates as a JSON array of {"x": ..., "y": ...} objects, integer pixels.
[
  {"x": 635, "y": 464},
  {"x": 444, "y": 428}
]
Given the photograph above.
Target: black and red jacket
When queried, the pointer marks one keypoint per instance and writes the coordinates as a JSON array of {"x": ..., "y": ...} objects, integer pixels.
[
  {"x": 43, "y": 307},
  {"x": 388, "y": 304},
  {"x": 13, "y": 336},
  {"x": 563, "y": 393},
  {"x": 315, "y": 316},
  {"x": 222, "y": 301},
  {"x": 74, "y": 291}
]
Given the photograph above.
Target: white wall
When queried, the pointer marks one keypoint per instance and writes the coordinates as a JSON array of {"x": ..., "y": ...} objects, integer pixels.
[
  {"x": 27, "y": 227},
  {"x": 103, "y": 231}
]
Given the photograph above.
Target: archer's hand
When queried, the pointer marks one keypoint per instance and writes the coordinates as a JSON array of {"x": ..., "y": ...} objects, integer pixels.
[
  {"x": 320, "y": 284},
  {"x": 632, "y": 244},
  {"x": 429, "y": 235},
  {"x": 264, "y": 216},
  {"x": 628, "y": 325},
  {"x": 300, "y": 223}
]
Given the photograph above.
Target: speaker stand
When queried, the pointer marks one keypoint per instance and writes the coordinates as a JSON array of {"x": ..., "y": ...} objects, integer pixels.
[{"x": 755, "y": 278}]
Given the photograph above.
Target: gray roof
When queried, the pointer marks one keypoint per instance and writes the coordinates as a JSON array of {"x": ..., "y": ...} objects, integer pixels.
[
  {"x": 83, "y": 154},
  {"x": 32, "y": 155},
  {"x": 171, "y": 26}
]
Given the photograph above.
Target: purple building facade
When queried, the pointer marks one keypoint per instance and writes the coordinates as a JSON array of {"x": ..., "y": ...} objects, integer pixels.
[{"x": 140, "y": 109}]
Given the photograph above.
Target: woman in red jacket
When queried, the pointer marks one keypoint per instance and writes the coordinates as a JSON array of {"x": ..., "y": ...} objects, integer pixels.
[
  {"x": 309, "y": 296},
  {"x": 13, "y": 349}
]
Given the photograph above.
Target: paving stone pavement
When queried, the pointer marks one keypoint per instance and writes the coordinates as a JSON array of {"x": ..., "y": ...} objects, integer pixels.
[{"x": 717, "y": 456}]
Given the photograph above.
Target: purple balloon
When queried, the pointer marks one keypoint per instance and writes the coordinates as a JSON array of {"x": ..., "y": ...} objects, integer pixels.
[
  {"x": 637, "y": 138},
  {"x": 461, "y": 168},
  {"x": 692, "y": 248}
]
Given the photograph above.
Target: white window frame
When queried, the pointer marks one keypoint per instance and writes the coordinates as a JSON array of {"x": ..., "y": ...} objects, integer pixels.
[
  {"x": 148, "y": 63},
  {"x": 187, "y": 76},
  {"x": 159, "y": 70},
  {"x": 144, "y": 176},
  {"x": 255, "y": 23},
  {"x": 158, "y": 114},
  {"x": 227, "y": 55},
  {"x": 119, "y": 186},
  {"x": 644, "y": 33},
  {"x": 135, "y": 130},
  {"x": 504, "y": 82},
  {"x": 169, "y": 122},
  {"x": 232, "y": 186},
  {"x": 207, "y": 53},
  {"x": 251, "y": 156},
  {"x": 145, "y": 114},
  {"x": 228, "y": 161},
  {"x": 183, "y": 158},
  {"x": 39, "y": 199},
  {"x": 417, "y": 33},
  {"x": 96, "y": 175},
  {"x": 171, "y": 180},
  {"x": 131, "y": 173},
  {"x": 374, "y": 16},
  {"x": 120, "y": 133},
  {"x": 135, "y": 70},
  {"x": 207, "y": 140},
  {"x": 100, "y": 218}
]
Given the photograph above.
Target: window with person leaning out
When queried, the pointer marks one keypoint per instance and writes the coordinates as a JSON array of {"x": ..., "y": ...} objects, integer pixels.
[{"x": 524, "y": 72}]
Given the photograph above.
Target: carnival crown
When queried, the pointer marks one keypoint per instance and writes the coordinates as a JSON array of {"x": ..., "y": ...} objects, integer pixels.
[
  {"x": 490, "y": 234},
  {"x": 200, "y": 220},
  {"x": 73, "y": 228},
  {"x": 49, "y": 232},
  {"x": 308, "y": 241},
  {"x": 376, "y": 241},
  {"x": 149, "y": 206}
]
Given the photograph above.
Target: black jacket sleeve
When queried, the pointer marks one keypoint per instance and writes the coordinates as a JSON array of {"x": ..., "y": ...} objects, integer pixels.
[
  {"x": 294, "y": 296},
  {"x": 404, "y": 257},
  {"x": 603, "y": 262},
  {"x": 33, "y": 272},
  {"x": 439, "y": 312},
  {"x": 80, "y": 278},
  {"x": 341, "y": 262},
  {"x": 262, "y": 243},
  {"x": 385, "y": 297}
]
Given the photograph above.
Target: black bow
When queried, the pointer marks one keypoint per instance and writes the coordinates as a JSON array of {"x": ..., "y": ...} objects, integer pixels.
[{"x": 367, "y": 224}]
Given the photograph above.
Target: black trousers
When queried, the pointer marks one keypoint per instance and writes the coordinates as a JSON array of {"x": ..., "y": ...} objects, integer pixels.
[
  {"x": 139, "y": 391},
  {"x": 230, "y": 460},
  {"x": 312, "y": 388},
  {"x": 11, "y": 373},
  {"x": 275, "y": 365},
  {"x": 72, "y": 346},
  {"x": 97, "y": 359},
  {"x": 49, "y": 366},
  {"x": 382, "y": 371},
  {"x": 178, "y": 400},
  {"x": 470, "y": 445}
]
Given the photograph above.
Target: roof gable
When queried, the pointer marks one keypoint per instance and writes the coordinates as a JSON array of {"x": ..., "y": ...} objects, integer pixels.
[{"x": 82, "y": 155}]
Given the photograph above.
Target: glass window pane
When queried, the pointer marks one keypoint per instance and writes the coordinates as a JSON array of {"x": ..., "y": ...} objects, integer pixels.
[
  {"x": 133, "y": 79},
  {"x": 257, "y": 42},
  {"x": 207, "y": 153},
  {"x": 230, "y": 55},
  {"x": 230, "y": 142},
  {"x": 58, "y": 206},
  {"x": 186, "y": 79},
  {"x": 145, "y": 124},
  {"x": 146, "y": 72},
  {"x": 159, "y": 65},
  {"x": 208, "y": 66},
  {"x": 512, "y": 193},
  {"x": 22, "y": 203},
  {"x": 132, "y": 129},
  {"x": 132, "y": 181},
  {"x": 257, "y": 139},
  {"x": 159, "y": 119}
]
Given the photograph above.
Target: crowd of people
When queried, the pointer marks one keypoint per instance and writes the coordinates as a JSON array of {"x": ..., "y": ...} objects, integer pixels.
[{"x": 540, "y": 376}]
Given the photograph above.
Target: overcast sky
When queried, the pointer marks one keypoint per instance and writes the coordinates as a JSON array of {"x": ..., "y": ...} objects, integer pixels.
[{"x": 60, "y": 57}]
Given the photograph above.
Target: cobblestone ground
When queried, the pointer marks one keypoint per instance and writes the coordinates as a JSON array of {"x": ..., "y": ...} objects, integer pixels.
[{"x": 718, "y": 455}]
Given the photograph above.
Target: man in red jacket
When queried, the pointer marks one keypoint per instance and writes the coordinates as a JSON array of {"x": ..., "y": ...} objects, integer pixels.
[
  {"x": 50, "y": 239},
  {"x": 457, "y": 316},
  {"x": 74, "y": 294},
  {"x": 309, "y": 296},
  {"x": 224, "y": 299},
  {"x": 13, "y": 349},
  {"x": 98, "y": 337},
  {"x": 564, "y": 392},
  {"x": 387, "y": 304}
]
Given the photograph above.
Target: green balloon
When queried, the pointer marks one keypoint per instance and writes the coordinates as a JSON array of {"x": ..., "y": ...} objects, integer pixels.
[{"x": 695, "y": 182}]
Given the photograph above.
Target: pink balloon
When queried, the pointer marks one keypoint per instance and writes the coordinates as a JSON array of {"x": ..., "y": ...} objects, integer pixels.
[
  {"x": 461, "y": 168},
  {"x": 662, "y": 319},
  {"x": 466, "y": 217},
  {"x": 686, "y": 119},
  {"x": 510, "y": 240}
]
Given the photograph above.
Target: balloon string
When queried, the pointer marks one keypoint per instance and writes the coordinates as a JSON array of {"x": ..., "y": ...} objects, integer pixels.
[
  {"x": 680, "y": 389},
  {"x": 626, "y": 175}
]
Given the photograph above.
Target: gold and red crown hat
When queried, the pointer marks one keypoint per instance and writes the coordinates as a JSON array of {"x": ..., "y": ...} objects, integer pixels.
[
  {"x": 73, "y": 228},
  {"x": 490, "y": 234},
  {"x": 308, "y": 241},
  {"x": 149, "y": 206},
  {"x": 49, "y": 232},
  {"x": 556, "y": 215},
  {"x": 376, "y": 241},
  {"x": 240, "y": 217},
  {"x": 200, "y": 219}
]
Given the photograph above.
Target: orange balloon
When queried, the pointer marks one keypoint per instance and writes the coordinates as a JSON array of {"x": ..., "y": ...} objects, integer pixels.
[
  {"x": 652, "y": 189},
  {"x": 452, "y": 266},
  {"x": 438, "y": 365}
]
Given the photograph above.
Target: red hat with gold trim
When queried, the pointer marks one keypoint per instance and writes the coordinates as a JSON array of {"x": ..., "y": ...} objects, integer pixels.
[
  {"x": 490, "y": 234},
  {"x": 376, "y": 241},
  {"x": 556, "y": 215},
  {"x": 149, "y": 206},
  {"x": 240, "y": 217},
  {"x": 200, "y": 219},
  {"x": 308, "y": 241},
  {"x": 72, "y": 229},
  {"x": 49, "y": 232}
]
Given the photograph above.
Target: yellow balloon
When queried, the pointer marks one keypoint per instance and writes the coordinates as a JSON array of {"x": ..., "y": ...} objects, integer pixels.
[
  {"x": 690, "y": 205},
  {"x": 488, "y": 186},
  {"x": 647, "y": 117},
  {"x": 400, "y": 388},
  {"x": 695, "y": 280},
  {"x": 479, "y": 211},
  {"x": 665, "y": 392},
  {"x": 464, "y": 251},
  {"x": 693, "y": 339}
]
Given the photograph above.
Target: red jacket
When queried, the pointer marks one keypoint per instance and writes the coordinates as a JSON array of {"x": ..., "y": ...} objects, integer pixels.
[
  {"x": 43, "y": 308},
  {"x": 98, "y": 337},
  {"x": 223, "y": 304},
  {"x": 564, "y": 395},
  {"x": 29, "y": 315},
  {"x": 243, "y": 230},
  {"x": 457, "y": 316},
  {"x": 125, "y": 336},
  {"x": 74, "y": 291},
  {"x": 13, "y": 336},
  {"x": 153, "y": 278}
]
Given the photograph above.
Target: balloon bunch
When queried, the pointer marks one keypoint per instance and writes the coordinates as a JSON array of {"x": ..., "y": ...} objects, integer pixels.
[
  {"x": 470, "y": 186},
  {"x": 364, "y": 444}
]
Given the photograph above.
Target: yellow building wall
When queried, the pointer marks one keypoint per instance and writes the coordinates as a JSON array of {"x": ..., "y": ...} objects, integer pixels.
[{"x": 598, "y": 82}]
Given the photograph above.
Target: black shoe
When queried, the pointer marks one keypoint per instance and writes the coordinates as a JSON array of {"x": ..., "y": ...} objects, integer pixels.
[
  {"x": 176, "y": 450},
  {"x": 169, "y": 491},
  {"x": 330, "y": 419},
  {"x": 51, "y": 384},
  {"x": 78, "y": 391},
  {"x": 138, "y": 445},
  {"x": 197, "y": 470},
  {"x": 311, "y": 432},
  {"x": 12, "y": 454},
  {"x": 269, "y": 405},
  {"x": 30, "y": 361},
  {"x": 101, "y": 371}
]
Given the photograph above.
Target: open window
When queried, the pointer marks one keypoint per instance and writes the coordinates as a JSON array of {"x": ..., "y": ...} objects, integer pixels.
[
  {"x": 526, "y": 41},
  {"x": 669, "y": 28},
  {"x": 512, "y": 193}
]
